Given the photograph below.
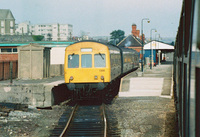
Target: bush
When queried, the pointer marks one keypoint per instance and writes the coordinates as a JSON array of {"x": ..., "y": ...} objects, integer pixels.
[{"x": 37, "y": 37}]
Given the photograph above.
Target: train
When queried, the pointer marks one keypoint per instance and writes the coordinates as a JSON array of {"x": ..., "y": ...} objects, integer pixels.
[
  {"x": 93, "y": 67},
  {"x": 186, "y": 76}
]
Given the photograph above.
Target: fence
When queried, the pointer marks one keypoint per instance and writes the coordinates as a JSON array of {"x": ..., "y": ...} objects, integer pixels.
[{"x": 5, "y": 69}]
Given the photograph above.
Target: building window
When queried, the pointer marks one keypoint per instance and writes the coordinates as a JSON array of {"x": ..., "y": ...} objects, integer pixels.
[
  {"x": 2, "y": 30},
  {"x": 11, "y": 23},
  {"x": 11, "y": 31},
  {"x": 8, "y": 50},
  {"x": 2, "y": 23},
  {"x": 14, "y": 50}
]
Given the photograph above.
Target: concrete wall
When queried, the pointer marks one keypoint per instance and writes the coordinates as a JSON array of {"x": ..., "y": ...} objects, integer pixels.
[
  {"x": 56, "y": 70},
  {"x": 34, "y": 95}
]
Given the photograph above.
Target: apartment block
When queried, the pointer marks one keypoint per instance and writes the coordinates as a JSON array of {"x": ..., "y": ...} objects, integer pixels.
[{"x": 51, "y": 32}]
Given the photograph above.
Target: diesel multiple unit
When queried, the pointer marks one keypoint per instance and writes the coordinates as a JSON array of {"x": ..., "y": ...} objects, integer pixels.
[{"x": 91, "y": 66}]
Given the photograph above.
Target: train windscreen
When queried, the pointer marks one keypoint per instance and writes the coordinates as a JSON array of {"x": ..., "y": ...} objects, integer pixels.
[
  {"x": 99, "y": 60},
  {"x": 73, "y": 61},
  {"x": 86, "y": 61}
]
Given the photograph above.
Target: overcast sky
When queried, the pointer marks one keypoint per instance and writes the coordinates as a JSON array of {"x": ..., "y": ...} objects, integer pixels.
[{"x": 100, "y": 17}]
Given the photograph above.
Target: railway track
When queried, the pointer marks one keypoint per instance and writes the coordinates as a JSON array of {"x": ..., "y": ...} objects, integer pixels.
[{"x": 84, "y": 120}]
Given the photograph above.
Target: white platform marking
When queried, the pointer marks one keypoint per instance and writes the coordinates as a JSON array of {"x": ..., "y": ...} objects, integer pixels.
[{"x": 144, "y": 86}]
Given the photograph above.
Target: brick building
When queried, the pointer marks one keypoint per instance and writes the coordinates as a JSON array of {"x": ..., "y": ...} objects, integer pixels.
[
  {"x": 133, "y": 40},
  {"x": 8, "y": 52}
]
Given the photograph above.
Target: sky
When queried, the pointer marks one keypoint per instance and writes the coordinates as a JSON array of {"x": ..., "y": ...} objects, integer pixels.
[{"x": 100, "y": 17}]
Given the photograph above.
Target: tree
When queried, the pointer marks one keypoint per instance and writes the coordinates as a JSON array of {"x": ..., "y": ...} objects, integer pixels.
[
  {"x": 37, "y": 37},
  {"x": 116, "y": 36},
  {"x": 172, "y": 43}
]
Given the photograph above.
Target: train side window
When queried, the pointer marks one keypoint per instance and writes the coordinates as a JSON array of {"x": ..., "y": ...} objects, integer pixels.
[
  {"x": 99, "y": 60},
  {"x": 73, "y": 61},
  {"x": 197, "y": 101},
  {"x": 86, "y": 60}
]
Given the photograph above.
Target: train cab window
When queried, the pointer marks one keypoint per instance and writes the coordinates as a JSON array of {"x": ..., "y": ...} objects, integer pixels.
[
  {"x": 73, "y": 61},
  {"x": 99, "y": 60},
  {"x": 86, "y": 61}
]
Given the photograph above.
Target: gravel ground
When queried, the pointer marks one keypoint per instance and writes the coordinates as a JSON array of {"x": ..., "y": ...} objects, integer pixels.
[
  {"x": 143, "y": 117},
  {"x": 34, "y": 122},
  {"x": 129, "y": 117}
]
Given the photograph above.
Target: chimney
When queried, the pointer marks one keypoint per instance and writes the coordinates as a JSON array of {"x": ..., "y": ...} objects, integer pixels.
[
  {"x": 143, "y": 38},
  {"x": 135, "y": 32}
]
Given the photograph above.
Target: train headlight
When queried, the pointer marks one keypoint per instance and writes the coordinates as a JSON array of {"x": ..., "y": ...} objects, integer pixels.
[
  {"x": 102, "y": 77},
  {"x": 95, "y": 77},
  {"x": 71, "y": 78}
]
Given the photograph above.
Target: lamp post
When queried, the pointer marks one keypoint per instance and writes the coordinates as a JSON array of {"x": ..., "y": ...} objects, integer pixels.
[
  {"x": 151, "y": 64},
  {"x": 142, "y": 41},
  {"x": 158, "y": 49}
]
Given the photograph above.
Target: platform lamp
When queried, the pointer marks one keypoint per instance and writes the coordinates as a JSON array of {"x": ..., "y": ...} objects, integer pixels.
[
  {"x": 151, "y": 64},
  {"x": 148, "y": 21}
]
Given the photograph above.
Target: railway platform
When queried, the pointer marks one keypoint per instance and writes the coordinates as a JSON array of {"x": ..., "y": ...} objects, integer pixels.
[
  {"x": 151, "y": 82},
  {"x": 146, "y": 100},
  {"x": 37, "y": 93}
]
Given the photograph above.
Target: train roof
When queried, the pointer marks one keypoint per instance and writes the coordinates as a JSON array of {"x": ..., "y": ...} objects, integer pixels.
[
  {"x": 93, "y": 41},
  {"x": 106, "y": 44},
  {"x": 123, "y": 49}
]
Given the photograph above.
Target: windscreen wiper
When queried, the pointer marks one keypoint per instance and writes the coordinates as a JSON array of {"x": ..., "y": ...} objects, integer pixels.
[{"x": 101, "y": 55}]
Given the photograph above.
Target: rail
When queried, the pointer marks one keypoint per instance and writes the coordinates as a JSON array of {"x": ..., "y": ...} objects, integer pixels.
[
  {"x": 70, "y": 119},
  {"x": 92, "y": 116},
  {"x": 105, "y": 121}
]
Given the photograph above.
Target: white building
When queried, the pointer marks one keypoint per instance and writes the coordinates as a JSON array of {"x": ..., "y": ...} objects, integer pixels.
[
  {"x": 55, "y": 32},
  {"x": 160, "y": 51},
  {"x": 23, "y": 28}
]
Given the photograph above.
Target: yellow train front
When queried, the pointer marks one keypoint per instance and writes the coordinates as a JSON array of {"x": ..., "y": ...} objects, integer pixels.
[{"x": 91, "y": 66}]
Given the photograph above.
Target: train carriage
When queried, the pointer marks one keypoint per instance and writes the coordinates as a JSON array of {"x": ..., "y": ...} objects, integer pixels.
[
  {"x": 187, "y": 70},
  {"x": 91, "y": 66},
  {"x": 91, "y": 63}
]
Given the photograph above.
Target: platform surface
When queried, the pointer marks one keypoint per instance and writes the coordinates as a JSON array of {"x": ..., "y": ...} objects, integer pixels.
[
  {"x": 151, "y": 82},
  {"x": 37, "y": 93},
  {"x": 51, "y": 81}
]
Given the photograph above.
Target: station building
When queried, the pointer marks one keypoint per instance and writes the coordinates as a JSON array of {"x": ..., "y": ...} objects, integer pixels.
[
  {"x": 162, "y": 52},
  {"x": 9, "y": 52},
  {"x": 133, "y": 41}
]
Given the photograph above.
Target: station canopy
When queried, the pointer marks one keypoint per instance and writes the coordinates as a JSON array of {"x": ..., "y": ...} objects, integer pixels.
[{"x": 158, "y": 46}]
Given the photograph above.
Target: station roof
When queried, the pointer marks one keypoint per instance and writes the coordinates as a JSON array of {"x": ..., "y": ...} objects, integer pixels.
[
  {"x": 130, "y": 41},
  {"x": 158, "y": 45},
  {"x": 43, "y": 43}
]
